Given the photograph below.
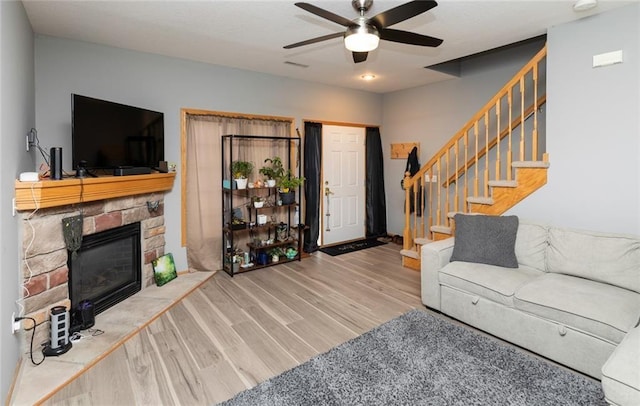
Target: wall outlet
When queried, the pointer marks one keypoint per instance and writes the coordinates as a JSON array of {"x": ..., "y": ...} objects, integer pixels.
[{"x": 15, "y": 325}]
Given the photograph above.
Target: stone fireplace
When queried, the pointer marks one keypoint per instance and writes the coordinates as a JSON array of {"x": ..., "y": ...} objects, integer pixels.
[{"x": 44, "y": 253}]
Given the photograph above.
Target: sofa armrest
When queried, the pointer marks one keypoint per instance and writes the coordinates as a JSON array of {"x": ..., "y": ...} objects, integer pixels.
[
  {"x": 621, "y": 372},
  {"x": 433, "y": 257}
]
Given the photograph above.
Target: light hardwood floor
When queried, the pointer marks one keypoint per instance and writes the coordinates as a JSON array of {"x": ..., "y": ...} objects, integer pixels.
[{"x": 232, "y": 333}]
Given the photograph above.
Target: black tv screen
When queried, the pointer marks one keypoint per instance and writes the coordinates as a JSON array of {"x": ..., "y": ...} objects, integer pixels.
[{"x": 109, "y": 135}]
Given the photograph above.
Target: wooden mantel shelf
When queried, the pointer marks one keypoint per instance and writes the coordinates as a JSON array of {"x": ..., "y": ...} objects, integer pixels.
[{"x": 53, "y": 193}]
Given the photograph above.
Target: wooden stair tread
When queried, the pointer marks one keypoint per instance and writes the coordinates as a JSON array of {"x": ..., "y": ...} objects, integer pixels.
[
  {"x": 441, "y": 229},
  {"x": 479, "y": 200},
  {"x": 410, "y": 254},
  {"x": 503, "y": 183},
  {"x": 422, "y": 241},
  {"x": 530, "y": 164}
]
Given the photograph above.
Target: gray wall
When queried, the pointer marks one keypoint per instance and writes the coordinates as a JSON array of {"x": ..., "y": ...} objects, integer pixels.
[
  {"x": 593, "y": 127},
  {"x": 432, "y": 114},
  {"x": 17, "y": 108},
  {"x": 168, "y": 84},
  {"x": 593, "y": 124}
]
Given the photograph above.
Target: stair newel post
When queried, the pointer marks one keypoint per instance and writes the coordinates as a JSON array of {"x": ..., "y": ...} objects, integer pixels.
[
  {"x": 422, "y": 201},
  {"x": 416, "y": 200},
  {"x": 406, "y": 234}
]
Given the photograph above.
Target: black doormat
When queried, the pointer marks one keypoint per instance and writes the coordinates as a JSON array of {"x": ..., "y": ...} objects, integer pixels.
[{"x": 351, "y": 246}]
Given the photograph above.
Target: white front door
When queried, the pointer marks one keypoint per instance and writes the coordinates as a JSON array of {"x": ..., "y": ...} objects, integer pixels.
[{"x": 343, "y": 184}]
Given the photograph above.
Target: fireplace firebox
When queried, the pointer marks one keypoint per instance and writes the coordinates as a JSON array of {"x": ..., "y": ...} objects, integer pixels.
[{"x": 107, "y": 268}]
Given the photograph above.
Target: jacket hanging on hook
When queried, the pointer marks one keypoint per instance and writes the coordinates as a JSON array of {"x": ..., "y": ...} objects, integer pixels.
[{"x": 415, "y": 193}]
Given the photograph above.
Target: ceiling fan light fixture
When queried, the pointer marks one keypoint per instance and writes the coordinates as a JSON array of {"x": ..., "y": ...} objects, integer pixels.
[{"x": 363, "y": 38}]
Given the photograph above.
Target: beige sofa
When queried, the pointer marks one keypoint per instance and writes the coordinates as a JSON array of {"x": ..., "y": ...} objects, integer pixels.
[{"x": 573, "y": 297}]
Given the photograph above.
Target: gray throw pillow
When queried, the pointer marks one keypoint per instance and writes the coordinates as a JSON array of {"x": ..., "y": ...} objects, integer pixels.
[{"x": 486, "y": 240}]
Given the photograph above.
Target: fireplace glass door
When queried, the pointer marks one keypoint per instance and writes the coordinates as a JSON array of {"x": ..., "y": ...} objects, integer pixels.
[{"x": 107, "y": 267}]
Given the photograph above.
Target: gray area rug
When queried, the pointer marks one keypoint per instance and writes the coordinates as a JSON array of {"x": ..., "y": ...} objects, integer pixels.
[{"x": 419, "y": 359}]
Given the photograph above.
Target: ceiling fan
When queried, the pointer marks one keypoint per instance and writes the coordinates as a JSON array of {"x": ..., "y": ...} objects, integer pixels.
[{"x": 363, "y": 34}]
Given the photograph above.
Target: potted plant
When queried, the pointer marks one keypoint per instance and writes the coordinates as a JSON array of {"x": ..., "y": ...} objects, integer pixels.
[
  {"x": 241, "y": 171},
  {"x": 291, "y": 253},
  {"x": 273, "y": 171},
  {"x": 258, "y": 201},
  {"x": 288, "y": 184},
  {"x": 276, "y": 253},
  {"x": 237, "y": 223}
]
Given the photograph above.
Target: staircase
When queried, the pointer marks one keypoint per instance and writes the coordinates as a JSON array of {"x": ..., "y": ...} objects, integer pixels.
[{"x": 496, "y": 160}]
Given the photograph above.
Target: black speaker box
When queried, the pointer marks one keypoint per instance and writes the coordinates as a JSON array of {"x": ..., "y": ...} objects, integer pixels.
[{"x": 56, "y": 163}]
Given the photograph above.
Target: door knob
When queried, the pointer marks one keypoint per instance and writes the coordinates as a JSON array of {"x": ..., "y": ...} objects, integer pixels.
[{"x": 327, "y": 191}]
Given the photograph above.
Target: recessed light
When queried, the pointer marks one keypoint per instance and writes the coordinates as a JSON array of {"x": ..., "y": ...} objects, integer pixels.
[
  {"x": 583, "y": 5},
  {"x": 368, "y": 76}
]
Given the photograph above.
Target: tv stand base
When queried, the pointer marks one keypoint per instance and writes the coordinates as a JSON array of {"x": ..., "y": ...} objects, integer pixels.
[{"x": 131, "y": 170}]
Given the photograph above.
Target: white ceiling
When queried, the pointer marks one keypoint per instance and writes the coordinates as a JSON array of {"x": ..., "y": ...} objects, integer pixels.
[{"x": 250, "y": 34}]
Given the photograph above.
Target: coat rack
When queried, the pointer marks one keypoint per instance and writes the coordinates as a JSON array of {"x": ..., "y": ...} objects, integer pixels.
[{"x": 401, "y": 151}]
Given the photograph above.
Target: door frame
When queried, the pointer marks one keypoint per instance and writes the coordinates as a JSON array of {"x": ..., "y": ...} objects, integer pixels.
[{"x": 321, "y": 185}]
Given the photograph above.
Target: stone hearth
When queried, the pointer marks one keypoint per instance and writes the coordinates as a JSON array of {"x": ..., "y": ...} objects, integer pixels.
[{"x": 44, "y": 266}]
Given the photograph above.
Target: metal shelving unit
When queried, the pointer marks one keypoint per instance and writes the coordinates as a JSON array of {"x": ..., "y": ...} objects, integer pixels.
[{"x": 252, "y": 238}]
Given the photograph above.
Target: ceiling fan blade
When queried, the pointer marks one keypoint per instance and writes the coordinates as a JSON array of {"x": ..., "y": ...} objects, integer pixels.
[
  {"x": 401, "y": 13},
  {"x": 359, "y": 56},
  {"x": 314, "y": 40},
  {"x": 411, "y": 38},
  {"x": 325, "y": 14}
]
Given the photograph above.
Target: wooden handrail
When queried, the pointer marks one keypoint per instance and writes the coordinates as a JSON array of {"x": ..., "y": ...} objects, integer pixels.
[
  {"x": 515, "y": 123},
  {"x": 501, "y": 93},
  {"x": 480, "y": 135}
]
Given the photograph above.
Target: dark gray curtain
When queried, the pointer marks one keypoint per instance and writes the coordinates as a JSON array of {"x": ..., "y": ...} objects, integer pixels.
[
  {"x": 312, "y": 165},
  {"x": 376, "y": 203}
]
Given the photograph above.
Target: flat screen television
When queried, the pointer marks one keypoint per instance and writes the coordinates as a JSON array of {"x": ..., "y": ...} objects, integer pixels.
[{"x": 108, "y": 135}]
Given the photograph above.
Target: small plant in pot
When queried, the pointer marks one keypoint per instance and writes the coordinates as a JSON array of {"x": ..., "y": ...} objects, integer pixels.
[
  {"x": 241, "y": 171},
  {"x": 276, "y": 253},
  {"x": 288, "y": 184},
  {"x": 258, "y": 201},
  {"x": 273, "y": 171}
]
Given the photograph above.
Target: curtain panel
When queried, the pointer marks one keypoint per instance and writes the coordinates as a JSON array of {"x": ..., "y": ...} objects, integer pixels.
[
  {"x": 376, "y": 217},
  {"x": 204, "y": 178},
  {"x": 312, "y": 194}
]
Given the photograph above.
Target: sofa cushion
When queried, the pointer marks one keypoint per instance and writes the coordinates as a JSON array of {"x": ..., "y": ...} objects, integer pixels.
[
  {"x": 495, "y": 283},
  {"x": 612, "y": 259},
  {"x": 605, "y": 311},
  {"x": 486, "y": 240},
  {"x": 531, "y": 245}
]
